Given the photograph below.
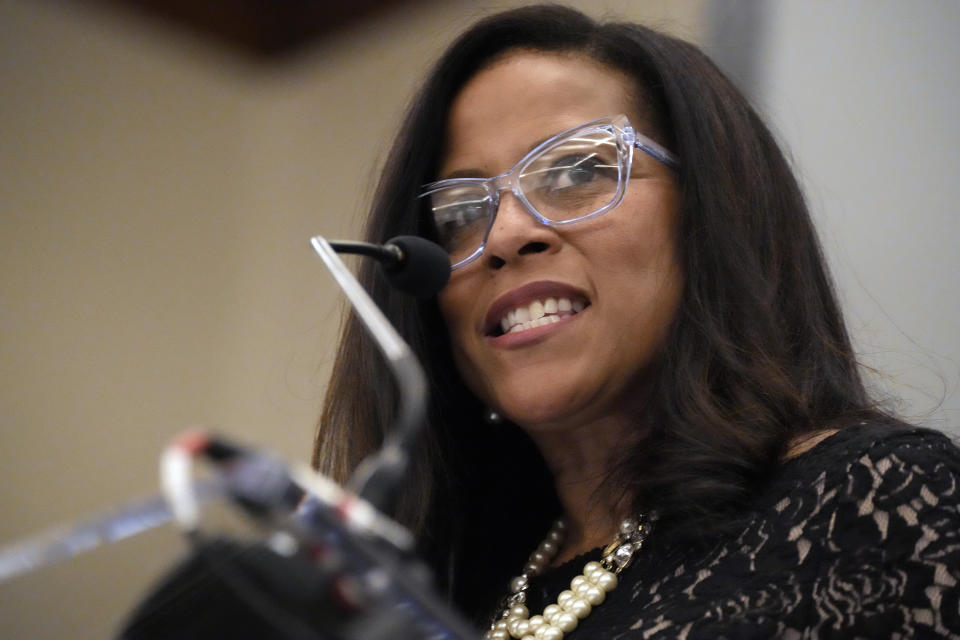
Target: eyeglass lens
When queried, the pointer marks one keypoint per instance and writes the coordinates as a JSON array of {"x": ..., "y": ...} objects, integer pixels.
[{"x": 573, "y": 178}]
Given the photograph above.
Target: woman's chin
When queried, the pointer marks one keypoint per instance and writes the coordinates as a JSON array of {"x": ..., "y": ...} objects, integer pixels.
[
  {"x": 542, "y": 413},
  {"x": 550, "y": 402}
]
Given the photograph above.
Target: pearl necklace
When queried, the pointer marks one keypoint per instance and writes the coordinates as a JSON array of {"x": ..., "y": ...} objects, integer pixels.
[{"x": 587, "y": 590}]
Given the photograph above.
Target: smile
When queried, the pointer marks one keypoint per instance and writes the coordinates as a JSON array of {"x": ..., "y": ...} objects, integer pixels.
[{"x": 537, "y": 314}]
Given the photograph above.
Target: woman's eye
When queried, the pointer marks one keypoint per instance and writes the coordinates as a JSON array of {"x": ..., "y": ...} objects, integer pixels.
[
  {"x": 456, "y": 217},
  {"x": 572, "y": 171},
  {"x": 459, "y": 214},
  {"x": 573, "y": 174}
]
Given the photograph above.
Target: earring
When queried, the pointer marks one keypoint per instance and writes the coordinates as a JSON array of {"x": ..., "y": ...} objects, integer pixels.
[{"x": 492, "y": 417}]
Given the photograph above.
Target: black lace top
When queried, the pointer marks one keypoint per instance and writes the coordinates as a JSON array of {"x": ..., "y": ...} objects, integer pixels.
[{"x": 857, "y": 538}]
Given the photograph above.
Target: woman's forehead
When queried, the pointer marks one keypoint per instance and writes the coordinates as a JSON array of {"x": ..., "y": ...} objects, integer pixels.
[{"x": 524, "y": 98}]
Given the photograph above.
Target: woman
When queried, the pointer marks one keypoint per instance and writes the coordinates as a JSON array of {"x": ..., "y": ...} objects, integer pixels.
[{"x": 638, "y": 337}]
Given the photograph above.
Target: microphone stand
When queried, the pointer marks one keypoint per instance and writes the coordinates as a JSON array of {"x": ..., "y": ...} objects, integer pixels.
[{"x": 376, "y": 478}]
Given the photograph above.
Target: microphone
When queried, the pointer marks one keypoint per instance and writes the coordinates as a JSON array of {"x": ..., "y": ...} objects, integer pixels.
[
  {"x": 333, "y": 569},
  {"x": 379, "y": 475},
  {"x": 411, "y": 264}
]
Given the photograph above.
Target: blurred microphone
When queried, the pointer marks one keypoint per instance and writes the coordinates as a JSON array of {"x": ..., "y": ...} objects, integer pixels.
[
  {"x": 333, "y": 568},
  {"x": 411, "y": 264},
  {"x": 423, "y": 268}
]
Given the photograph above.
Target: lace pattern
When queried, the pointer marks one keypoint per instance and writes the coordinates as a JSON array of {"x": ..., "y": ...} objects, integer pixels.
[{"x": 857, "y": 538}]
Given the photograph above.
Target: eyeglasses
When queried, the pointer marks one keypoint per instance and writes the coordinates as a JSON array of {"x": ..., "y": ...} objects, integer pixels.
[{"x": 577, "y": 174}]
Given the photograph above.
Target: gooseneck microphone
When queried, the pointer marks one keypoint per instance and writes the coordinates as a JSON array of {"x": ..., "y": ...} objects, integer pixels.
[
  {"x": 419, "y": 267},
  {"x": 411, "y": 264}
]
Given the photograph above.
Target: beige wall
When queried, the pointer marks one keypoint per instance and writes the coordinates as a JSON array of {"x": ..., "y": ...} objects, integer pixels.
[
  {"x": 867, "y": 94},
  {"x": 156, "y": 196}
]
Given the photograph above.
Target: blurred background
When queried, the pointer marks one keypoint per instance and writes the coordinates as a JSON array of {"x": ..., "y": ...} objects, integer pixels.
[{"x": 162, "y": 165}]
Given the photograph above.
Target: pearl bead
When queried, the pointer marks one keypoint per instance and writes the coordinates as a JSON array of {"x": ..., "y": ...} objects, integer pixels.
[
  {"x": 606, "y": 580},
  {"x": 578, "y": 607},
  {"x": 547, "y": 548},
  {"x": 566, "y": 622},
  {"x": 586, "y": 590},
  {"x": 536, "y": 622},
  {"x": 518, "y": 627},
  {"x": 578, "y": 581},
  {"x": 519, "y": 611},
  {"x": 591, "y": 576},
  {"x": 591, "y": 569},
  {"x": 551, "y": 612},
  {"x": 548, "y": 632},
  {"x": 565, "y": 597},
  {"x": 593, "y": 594},
  {"x": 518, "y": 584}
]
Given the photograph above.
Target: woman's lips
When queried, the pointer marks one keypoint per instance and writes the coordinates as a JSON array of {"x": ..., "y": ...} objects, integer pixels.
[
  {"x": 519, "y": 337},
  {"x": 539, "y": 313},
  {"x": 533, "y": 306}
]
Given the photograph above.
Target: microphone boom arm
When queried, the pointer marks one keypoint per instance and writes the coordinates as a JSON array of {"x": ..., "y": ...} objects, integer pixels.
[
  {"x": 387, "y": 253},
  {"x": 377, "y": 477}
]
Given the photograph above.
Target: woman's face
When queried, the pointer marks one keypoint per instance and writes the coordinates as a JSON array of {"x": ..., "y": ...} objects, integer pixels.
[{"x": 621, "y": 267}]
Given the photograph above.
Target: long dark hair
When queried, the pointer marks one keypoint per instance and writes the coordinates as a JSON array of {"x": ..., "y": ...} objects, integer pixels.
[{"x": 757, "y": 355}]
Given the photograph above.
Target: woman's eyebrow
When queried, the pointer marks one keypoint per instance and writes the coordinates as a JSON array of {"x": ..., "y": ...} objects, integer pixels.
[
  {"x": 474, "y": 173},
  {"x": 463, "y": 173}
]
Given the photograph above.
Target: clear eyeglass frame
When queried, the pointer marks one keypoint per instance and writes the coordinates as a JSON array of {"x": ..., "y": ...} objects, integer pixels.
[{"x": 627, "y": 139}]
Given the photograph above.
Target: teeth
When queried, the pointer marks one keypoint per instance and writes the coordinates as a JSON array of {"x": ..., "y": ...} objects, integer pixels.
[
  {"x": 534, "y": 323},
  {"x": 539, "y": 313},
  {"x": 536, "y": 310}
]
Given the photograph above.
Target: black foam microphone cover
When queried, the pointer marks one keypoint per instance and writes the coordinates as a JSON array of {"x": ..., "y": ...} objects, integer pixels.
[{"x": 424, "y": 269}]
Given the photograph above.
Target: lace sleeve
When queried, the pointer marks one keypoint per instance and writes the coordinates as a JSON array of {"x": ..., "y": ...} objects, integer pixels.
[{"x": 895, "y": 541}]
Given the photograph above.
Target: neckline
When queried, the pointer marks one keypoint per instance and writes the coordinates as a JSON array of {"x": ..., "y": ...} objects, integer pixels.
[
  {"x": 590, "y": 554},
  {"x": 839, "y": 443},
  {"x": 847, "y": 438}
]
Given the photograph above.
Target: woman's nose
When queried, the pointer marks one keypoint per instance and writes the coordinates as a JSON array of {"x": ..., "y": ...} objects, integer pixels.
[{"x": 516, "y": 233}]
